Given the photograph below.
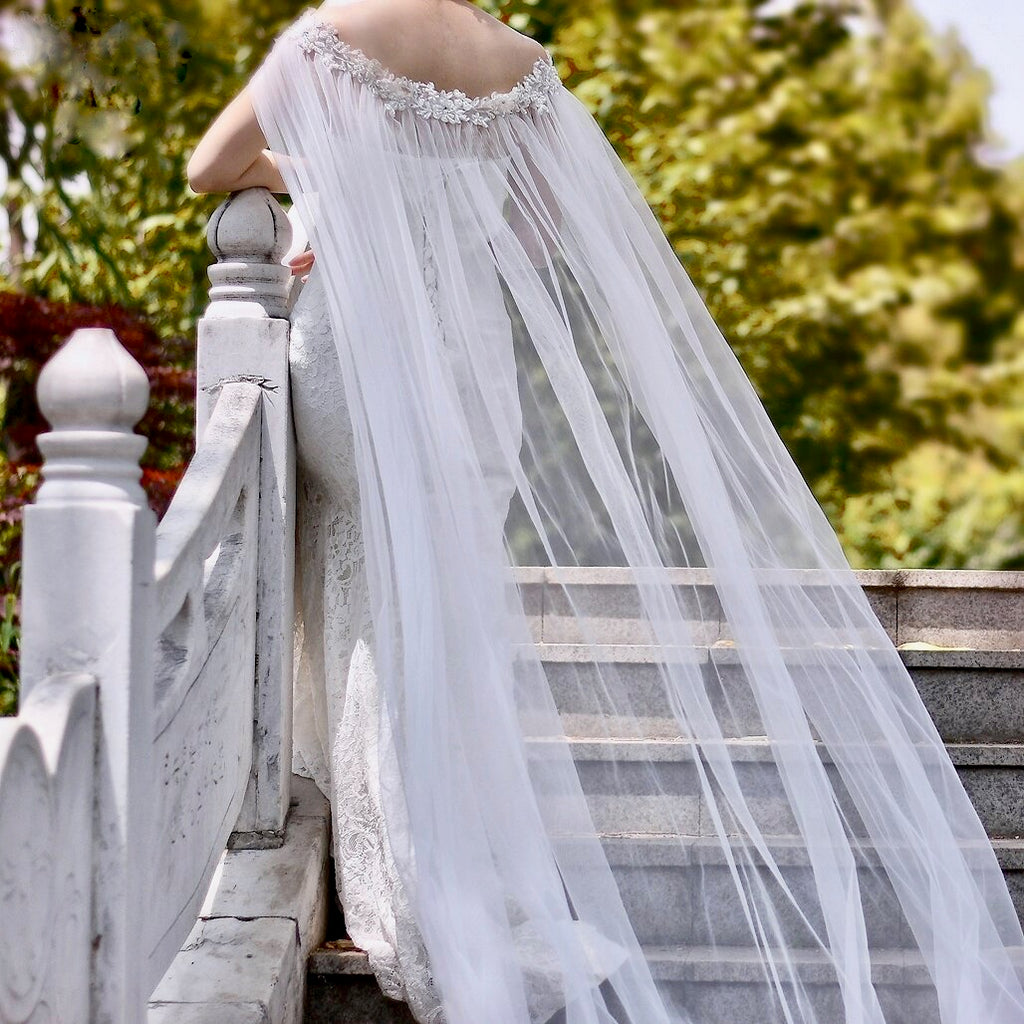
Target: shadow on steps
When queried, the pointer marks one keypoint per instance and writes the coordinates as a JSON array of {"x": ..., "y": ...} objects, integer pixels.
[
  {"x": 351, "y": 999},
  {"x": 345, "y": 997}
]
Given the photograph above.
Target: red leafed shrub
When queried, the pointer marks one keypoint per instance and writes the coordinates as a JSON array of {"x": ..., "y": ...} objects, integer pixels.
[{"x": 31, "y": 330}]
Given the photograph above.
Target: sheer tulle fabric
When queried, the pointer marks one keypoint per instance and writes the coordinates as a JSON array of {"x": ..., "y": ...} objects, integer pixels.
[{"x": 533, "y": 380}]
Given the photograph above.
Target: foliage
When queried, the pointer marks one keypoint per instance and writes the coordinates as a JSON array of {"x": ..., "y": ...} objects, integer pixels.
[
  {"x": 115, "y": 97},
  {"x": 101, "y": 108},
  {"x": 10, "y": 637},
  {"x": 944, "y": 508},
  {"x": 815, "y": 171},
  {"x": 32, "y": 329}
]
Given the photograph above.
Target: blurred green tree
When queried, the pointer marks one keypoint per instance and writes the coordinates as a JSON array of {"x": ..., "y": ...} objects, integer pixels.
[
  {"x": 103, "y": 104},
  {"x": 815, "y": 168},
  {"x": 817, "y": 171}
]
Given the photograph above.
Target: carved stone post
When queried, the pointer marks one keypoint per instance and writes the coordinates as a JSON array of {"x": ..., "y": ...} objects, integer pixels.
[
  {"x": 87, "y": 606},
  {"x": 244, "y": 336}
]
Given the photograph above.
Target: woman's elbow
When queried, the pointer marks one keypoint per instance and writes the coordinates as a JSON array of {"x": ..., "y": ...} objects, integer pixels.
[{"x": 202, "y": 178}]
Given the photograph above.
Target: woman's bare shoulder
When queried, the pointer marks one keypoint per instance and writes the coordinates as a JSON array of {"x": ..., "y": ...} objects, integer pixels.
[{"x": 449, "y": 42}]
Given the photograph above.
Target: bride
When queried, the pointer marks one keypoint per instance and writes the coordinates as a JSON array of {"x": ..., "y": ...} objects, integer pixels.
[{"x": 498, "y": 362}]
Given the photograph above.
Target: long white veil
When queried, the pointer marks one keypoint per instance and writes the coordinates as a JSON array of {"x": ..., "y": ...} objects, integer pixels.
[{"x": 533, "y": 380}]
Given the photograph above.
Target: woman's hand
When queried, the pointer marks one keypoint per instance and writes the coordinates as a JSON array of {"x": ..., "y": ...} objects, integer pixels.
[{"x": 302, "y": 263}]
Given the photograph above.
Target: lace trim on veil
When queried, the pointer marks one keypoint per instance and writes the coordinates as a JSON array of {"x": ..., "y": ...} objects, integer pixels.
[{"x": 320, "y": 37}]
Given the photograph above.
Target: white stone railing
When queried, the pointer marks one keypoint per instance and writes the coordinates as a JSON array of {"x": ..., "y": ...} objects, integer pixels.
[{"x": 156, "y": 661}]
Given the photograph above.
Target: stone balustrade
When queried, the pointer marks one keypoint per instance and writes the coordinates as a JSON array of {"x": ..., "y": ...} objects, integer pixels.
[{"x": 155, "y": 717}]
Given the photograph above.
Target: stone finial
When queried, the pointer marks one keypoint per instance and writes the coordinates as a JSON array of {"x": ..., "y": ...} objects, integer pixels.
[
  {"x": 249, "y": 234},
  {"x": 92, "y": 392},
  {"x": 93, "y": 383}
]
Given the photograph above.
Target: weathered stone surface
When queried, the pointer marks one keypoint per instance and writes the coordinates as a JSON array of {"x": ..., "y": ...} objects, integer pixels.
[
  {"x": 609, "y": 613},
  {"x": 228, "y": 961},
  {"x": 979, "y": 704},
  {"x": 974, "y": 693},
  {"x": 676, "y": 909},
  {"x": 87, "y": 606},
  {"x": 46, "y": 823},
  {"x": 962, "y": 617},
  {"x": 722, "y": 986},
  {"x": 265, "y": 911},
  {"x": 289, "y": 882},
  {"x": 340, "y": 958},
  {"x": 342, "y": 990},
  {"x": 208, "y": 1013},
  {"x": 626, "y": 794},
  {"x": 531, "y": 594},
  {"x": 728, "y": 986},
  {"x": 205, "y": 615}
]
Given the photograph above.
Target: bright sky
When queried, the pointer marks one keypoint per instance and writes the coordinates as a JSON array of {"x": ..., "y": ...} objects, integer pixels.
[{"x": 993, "y": 31}]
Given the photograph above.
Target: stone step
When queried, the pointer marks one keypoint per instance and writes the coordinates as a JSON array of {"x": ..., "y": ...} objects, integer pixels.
[
  {"x": 341, "y": 989},
  {"x": 686, "y": 871},
  {"x": 694, "y": 899},
  {"x": 653, "y": 786},
  {"x": 728, "y": 986},
  {"x": 971, "y": 681},
  {"x": 973, "y": 696},
  {"x": 975, "y": 609},
  {"x": 719, "y": 985}
]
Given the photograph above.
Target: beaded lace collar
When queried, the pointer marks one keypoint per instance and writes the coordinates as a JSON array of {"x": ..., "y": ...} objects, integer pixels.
[{"x": 318, "y": 36}]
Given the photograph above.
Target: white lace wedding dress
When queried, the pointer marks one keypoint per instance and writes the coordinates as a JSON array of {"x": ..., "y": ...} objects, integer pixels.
[
  {"x": 337, "y": 703},
  {"x": 497, "y": 323},
  {"x": 338, "y": 725}
]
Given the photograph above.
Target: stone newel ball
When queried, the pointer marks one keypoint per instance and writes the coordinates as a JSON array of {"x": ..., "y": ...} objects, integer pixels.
[{"x": 249, "y": 227}]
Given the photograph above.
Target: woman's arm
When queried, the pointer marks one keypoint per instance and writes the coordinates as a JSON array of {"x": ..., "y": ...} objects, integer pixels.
[{"x": 233, "y": 153}]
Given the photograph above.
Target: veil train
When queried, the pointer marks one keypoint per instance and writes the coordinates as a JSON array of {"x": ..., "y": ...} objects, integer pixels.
[{"x": 532, "y": 380}]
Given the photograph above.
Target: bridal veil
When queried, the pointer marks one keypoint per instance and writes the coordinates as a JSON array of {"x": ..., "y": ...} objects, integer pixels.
[{"x": 533, "y": 380}]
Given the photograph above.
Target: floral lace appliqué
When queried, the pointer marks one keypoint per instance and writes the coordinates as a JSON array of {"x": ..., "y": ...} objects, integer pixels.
[
  {"x": 339, "y": 723},
  {"x": 320, "y": 37}
]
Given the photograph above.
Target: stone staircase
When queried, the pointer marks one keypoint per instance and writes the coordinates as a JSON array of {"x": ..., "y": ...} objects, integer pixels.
[{"x": 960, "y": 633}]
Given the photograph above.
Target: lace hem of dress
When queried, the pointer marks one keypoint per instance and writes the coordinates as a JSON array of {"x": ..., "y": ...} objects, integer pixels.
[{"x": 318, "y": 36}]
